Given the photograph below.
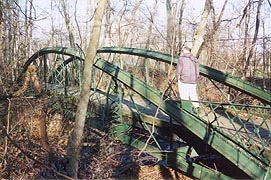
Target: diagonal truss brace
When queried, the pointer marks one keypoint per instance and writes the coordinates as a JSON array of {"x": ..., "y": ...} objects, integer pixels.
[{"x": 232, "y": 151}]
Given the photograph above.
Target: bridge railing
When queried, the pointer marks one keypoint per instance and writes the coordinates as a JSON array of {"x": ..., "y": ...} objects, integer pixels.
[
  {"x": 228, "y": 122},
  {"x": 59, "y": 73},
  {"x": 248, "y": 125}
]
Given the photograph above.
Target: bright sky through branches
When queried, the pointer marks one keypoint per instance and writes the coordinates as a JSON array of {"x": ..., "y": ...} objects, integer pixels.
[{"x": 46, "y": 15}]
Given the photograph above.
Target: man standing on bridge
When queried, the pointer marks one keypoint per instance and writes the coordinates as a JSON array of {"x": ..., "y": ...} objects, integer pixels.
[{"x": 187, "y": 74}]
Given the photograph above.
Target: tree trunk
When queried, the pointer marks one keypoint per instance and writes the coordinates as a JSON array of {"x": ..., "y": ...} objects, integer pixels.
[
  {"x": 170, "y": 27},
  {"x": 77, "y": 24},
  {"x": 252, "y": 47},
  {"x": 211, "y": 35},
  {"x": 1, "y": 38},
  {"x": 246, "y": 15},
  {"x": 28, "y": 25},
  {"x": 199, "y": 36},
  {"x": 265, "y": 62},
  {"x": 67, "y": 22},
  {"x": 108, "y": 26},
  {"x": 74, "y": 146},
  {"x": 52, "y": 26},
  {"x": 145, "y": 62},
  {"x": 170, "y": 31},
  {"x": 180, "y": 32}
]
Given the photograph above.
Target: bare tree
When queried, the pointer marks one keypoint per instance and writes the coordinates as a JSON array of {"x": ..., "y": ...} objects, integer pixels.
[
  {"x": 253, "y": 45},
  {"x": 77, "y": 24},
  {"x": 209, "y": 38},
  {"x": 1, "y": 34},
  {"x": 246, "y": 18},
  {"x": 180, "y": 32},
  {"x": 171, "y": 32},
  {"x": 170, "y": 27},
  {"x": 145, "y": 63},
  {"x": 28, "y": 25},
  {"x": 9, "y": 39},
  {"x": 67, "y": 22},
  {"x": 266, "y": 71},
  {"x": 74, "y": 145},
  {"x": 1, "y": 46},
  {"x": 199, "y": 36},
  {"x": 108, "y": 26},
  {"x": 123, "y": 34}
]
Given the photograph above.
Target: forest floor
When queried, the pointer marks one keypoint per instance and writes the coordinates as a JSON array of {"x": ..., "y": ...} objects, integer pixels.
[
  {"x": 26, "y": 154},
  {"x": 23, "y": 154}
]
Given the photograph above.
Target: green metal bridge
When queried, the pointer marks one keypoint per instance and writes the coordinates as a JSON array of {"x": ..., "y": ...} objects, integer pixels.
[{"x": 236, "y": 133}]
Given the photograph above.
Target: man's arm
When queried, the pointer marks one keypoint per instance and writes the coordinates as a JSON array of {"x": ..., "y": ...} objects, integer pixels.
[
  {"x": 197, "y": 69},
  {"x": 179, "y": 68}
]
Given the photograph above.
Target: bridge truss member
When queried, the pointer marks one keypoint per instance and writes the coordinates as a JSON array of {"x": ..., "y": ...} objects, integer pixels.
[{"x": 187, "y": 75}]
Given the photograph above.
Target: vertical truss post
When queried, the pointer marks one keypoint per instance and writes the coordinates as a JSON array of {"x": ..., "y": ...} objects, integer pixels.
[
  {"x": 45, "y": 69},
  {"x": 146, "y": 63},
  {"x": 114, "y": 100}
]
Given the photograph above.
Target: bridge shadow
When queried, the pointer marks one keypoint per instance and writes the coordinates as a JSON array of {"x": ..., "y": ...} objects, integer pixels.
[
  {"x": 201, "y": 146},
  {"x": 138, "y": 104},
  {"x": 180, "y": 138},
  {"x": 184, "y": 135},
  {"x": 205, "y": 154}
]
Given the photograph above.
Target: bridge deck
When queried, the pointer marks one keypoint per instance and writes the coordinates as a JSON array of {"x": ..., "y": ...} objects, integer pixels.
[
  {"x": 230, "y": 132},
  {"x": 239, "y": 128}
]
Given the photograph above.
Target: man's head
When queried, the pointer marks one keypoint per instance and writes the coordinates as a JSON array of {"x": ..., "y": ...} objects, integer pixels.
[{"x": 186, "y": 49}]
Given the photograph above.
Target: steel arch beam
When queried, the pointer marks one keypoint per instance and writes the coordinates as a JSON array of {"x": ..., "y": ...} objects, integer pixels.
[
  {"x": 57, "y": 50},
  {"x": 219, "y": 76},
  {"x": 241, "y": 157},
  {"x": 247, "y": 162}
]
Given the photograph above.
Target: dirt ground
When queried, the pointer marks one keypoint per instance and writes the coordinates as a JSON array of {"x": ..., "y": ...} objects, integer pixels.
[{"x": 24, "y": 154}]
